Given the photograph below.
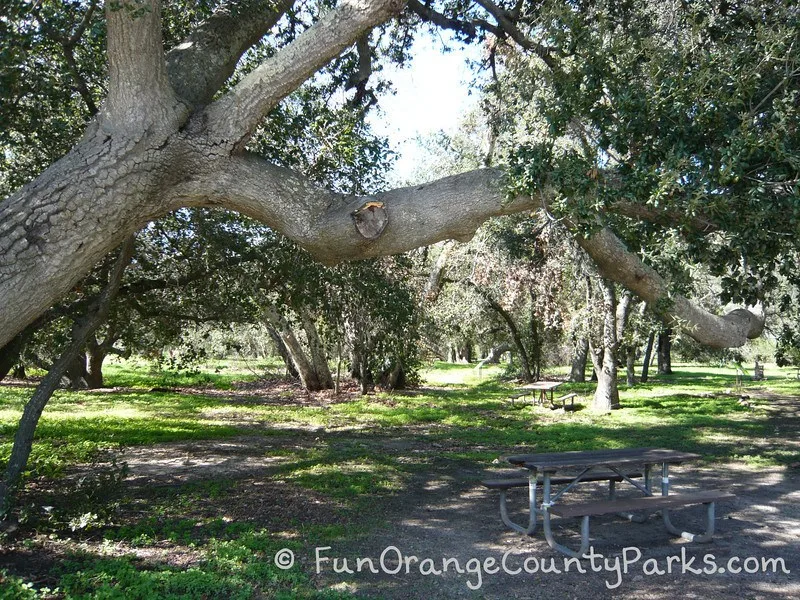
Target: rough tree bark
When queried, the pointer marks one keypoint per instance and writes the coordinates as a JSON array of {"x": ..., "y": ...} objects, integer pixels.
[
  {"x": 166, "y": 138},
  {"x": 83, "y": 328},
  {"x": 319, "y": 358},
  {"x": 309, "y": 377},
  {"x": 577, "y": 371},
  {"x": 283, "y": 352},
  {"x": 96, "y": 353},
  {"x": 630, "y": 370},
  {"x": 433, "y": 286},
  {"x": 604, "y": 358}
]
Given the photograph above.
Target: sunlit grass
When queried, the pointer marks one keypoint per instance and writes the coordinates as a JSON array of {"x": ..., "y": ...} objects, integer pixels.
[{"x": 352, "y": 452}]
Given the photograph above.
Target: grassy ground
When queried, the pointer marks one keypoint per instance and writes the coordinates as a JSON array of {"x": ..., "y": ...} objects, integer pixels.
[{"x": 88, "y": 530}]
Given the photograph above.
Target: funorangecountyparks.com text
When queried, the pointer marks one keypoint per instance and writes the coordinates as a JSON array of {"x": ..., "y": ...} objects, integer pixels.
[{"x": 631, "y": 562}]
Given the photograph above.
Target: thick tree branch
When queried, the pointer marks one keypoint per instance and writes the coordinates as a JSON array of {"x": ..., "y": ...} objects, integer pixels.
[
  {"x": 199, "y": 66},
  {"x": 139, "y": 93},
  {"x": 322, "y": 222},
  {"x": 234, "y": 117},
  {"x": 615, "y": 262}
]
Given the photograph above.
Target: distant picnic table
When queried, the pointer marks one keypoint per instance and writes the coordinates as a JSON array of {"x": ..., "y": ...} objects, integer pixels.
[{"x": 543, "y": 388}]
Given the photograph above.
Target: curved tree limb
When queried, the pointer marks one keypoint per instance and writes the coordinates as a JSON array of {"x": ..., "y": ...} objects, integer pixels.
[
  {"x": 322, "y": 221},
  {"x": 234, "y": 117},
  {"x": 615, "y": 262},
  {"x": 450, "y": 208}
]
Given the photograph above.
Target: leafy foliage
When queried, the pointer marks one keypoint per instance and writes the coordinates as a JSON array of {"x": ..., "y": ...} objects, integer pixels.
[{"x": 690, "y": 109}]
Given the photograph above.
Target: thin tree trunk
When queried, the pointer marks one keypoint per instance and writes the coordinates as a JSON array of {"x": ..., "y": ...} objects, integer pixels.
[
  {"x": 606, "y": 396},
  {"x": 364, "y": 376},
  {"x": 283, "y": 352},
  {"x": 665, "y": 352},
  {"x": 648, "y": 350},
  {"x": 577, "y": 372},
  {"x": 433, "y": 287},
  {"x": 630, "y": 359},
  {"x": 23, "y": 439},
  {"x": 527, "y": 373}
]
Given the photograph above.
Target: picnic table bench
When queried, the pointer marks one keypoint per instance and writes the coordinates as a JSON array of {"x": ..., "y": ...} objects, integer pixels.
[
  {"x": 607, "y": 465},
  {"x": 506, "y": 484}
]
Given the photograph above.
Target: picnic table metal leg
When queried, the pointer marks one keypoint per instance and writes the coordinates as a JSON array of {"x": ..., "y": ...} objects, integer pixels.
[
  {"x": 702, "y": 538},
  {"x": 548, "y": 529},
  {"x": 533, "y": 520}
]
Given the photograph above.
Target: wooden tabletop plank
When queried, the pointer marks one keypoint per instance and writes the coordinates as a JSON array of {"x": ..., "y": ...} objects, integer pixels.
[
  {"x": 553, "y": 461},
  {"x": 542, "y": 385}
]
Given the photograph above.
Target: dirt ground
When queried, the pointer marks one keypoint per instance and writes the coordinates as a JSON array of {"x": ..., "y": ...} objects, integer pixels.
[{"x": 445, "y": 514}]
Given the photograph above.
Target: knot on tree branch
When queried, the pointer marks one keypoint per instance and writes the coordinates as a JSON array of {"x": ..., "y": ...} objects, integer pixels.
[{"x": 371, "y": 219}]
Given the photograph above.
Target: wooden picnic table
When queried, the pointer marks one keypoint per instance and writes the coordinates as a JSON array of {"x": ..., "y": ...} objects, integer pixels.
[
  {"x": 543, "y": 387},
  {"x": 616, "y": 465}
]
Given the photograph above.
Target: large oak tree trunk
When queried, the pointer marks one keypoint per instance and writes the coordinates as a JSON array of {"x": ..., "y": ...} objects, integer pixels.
[
  {"x": 96, "y": 354},
  {"x": 77, "y": 373}
]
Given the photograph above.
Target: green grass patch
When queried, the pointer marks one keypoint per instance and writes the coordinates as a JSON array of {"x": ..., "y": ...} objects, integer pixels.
[{"x": 351, "y": 452}]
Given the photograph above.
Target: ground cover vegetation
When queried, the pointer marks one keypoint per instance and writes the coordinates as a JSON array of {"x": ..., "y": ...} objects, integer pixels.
[{"x": 90, "y": 526}]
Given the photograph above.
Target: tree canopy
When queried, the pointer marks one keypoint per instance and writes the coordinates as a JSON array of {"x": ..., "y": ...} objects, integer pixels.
[{"x": 646, "y": 116}]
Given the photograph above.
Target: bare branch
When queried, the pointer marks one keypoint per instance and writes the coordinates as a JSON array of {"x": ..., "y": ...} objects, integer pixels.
[
  {"x": 468, "y": 28},
  {"x": 78, "y": 33},
  {"x": 68, "y": 43},
  {"x": 199, "y": 66},
  {"x": 668, "y": 218},
  {"x": 234, "y": 117},
  {"x": 506, "y": 22}
]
